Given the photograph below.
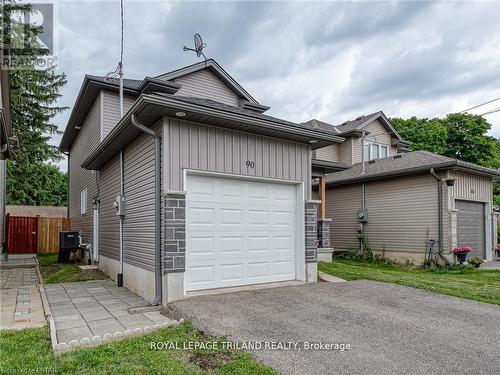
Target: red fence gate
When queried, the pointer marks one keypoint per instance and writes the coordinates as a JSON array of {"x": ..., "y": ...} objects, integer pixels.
[{"x": 22, "y": 234}]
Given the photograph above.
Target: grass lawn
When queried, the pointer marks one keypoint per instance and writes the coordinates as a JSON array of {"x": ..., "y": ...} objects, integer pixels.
[
  {"x": 53, "y": 272},
  {"x": 28, "y": 351},
  {"x": 469, "y": 283}
]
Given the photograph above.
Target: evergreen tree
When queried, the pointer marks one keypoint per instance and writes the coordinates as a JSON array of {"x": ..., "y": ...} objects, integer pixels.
[{"x": 32, "y": 178}]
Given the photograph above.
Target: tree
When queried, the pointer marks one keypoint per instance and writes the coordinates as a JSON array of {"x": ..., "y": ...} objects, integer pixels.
[
  {"x": 458, "y": 135},
  {"x": 32, "y": 179}
]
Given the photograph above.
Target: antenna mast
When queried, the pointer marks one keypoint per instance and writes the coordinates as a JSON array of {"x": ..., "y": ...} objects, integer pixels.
[{"x": 118, "y": 72}]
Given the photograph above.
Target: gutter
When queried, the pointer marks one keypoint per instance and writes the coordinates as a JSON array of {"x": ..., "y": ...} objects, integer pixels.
[
  {"x": 178, "y": 104},
  {"x": 380, "y": 176},
  {"x": 157, "y": 138}
]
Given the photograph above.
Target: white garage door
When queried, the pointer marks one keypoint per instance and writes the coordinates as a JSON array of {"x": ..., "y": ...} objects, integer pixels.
[{"x": 239, "y": 232}]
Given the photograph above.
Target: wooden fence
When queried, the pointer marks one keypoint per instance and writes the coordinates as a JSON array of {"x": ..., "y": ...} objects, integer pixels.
[
  {"x": 34, "y": 234},
  {"x": 48, "y": 233}
]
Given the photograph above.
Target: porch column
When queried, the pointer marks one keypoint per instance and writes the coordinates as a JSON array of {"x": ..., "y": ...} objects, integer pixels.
[{"x": 322, "y": 198}]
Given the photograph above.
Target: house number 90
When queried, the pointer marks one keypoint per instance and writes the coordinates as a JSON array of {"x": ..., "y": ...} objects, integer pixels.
[{"x": 250, "y": 164}]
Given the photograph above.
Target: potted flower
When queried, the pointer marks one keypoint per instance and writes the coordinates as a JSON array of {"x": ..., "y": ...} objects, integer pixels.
[
  {"x": 497, "y": 249},
  {"x": 461, "y": 253},
  {"x": 476, "y": 261}
]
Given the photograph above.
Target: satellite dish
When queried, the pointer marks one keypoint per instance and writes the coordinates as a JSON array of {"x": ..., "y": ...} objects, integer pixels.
[{"x": 198, "y": 46}]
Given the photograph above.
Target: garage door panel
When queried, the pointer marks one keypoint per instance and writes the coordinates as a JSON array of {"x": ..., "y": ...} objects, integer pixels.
[
  {"x": 231, "y": 216},
  {"x": 258, "y": 270},
  {"x": 231, "y": 272},
  {"x": 471, "y": 226},
  {"x": 252, "y": 230},
  {"x": 231, "y": 245},
  {"x": 202, "y": 246},
  {"x": 202, "y": 275}
]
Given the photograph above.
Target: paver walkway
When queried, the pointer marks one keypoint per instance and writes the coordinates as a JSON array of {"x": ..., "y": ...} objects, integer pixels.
[
  {"x": 84, "y": 310},
  {"x": 20, "y": 301}
]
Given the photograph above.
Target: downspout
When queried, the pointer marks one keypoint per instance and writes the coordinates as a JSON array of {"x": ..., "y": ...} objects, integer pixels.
[
  {"x": 157, "y": 138},
  {"x": 440, "y": 213}
]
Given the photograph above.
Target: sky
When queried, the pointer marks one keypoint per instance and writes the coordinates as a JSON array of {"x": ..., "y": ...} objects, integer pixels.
[{"x": 333, "y": 61}]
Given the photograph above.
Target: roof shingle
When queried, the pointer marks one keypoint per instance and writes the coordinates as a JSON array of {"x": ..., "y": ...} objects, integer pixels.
[{"x": 406, "y": 163}]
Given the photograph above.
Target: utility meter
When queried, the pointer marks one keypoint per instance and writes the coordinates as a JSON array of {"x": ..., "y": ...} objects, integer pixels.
[
  {"x": 119, "y": 205},
  {"x": 363, "y": 215}
]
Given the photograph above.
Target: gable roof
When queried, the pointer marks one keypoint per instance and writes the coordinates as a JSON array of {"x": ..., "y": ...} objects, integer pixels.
[
  {"x": 404, "y": 164},
  {"x": 361, "y": 122},
  {"x": 215, "y": 68},
  {"x": 92, "y": 85},
  {"x": 355, "y": 127}
]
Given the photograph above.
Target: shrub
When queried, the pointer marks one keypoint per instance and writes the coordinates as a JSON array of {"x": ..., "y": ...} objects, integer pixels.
[{"x": 475, "y": 261}]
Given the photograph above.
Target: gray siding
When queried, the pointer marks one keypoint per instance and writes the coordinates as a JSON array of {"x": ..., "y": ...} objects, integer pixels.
[
  {"x": 342, "y": 204},
  {"x": 402, "y": 213},
  {"x": 111, "y": 110},
  {"x": 109, "y": 229},
  {"x": 85, "y": 142},
  {"x": 330, "y": 153},
  {"x": 205, "y": 84},
  {"x": 471, "y": 187},
  {"x": 197, "y": 146},
  {"x": 139, "y": 222},
  {"x": 3, "y": 176}
]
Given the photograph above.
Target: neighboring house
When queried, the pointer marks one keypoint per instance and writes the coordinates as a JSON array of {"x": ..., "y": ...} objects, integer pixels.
[
  {"x": 5, "y": 134},
  {"x": 397, "y": 191},
  {"x": 194, "y": 188}
]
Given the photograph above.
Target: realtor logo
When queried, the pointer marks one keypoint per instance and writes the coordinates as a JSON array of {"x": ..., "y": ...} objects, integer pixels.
[{"x": 30, "y": 34}]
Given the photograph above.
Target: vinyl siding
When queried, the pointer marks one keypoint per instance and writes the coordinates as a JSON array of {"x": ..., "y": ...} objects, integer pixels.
[
  {"x": 205, "y": 84},
  {"x": 139, "y": 222},
  {"x": 378, "y": 133},
  {"x": 111, "y": 110},
  {"x": 342, "y": 204},
  {"x": 84, "y": 144},
  {"x": 471, "y": 187},
  {"x": 330, "y": 153},
  {"x": 3, "y": 176},
  {"x": 400, "y": 212},
  {"x": 197, "y": 146},
  {"x": 345, "y": 152},
  {"x": 109, "y": 224}
]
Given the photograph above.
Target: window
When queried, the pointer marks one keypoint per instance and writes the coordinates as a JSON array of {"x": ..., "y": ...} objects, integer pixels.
[
  {"x": 384, "y": 151},
  {"x": 374, "y": 151},
  {"x": 83, "y": 201}
]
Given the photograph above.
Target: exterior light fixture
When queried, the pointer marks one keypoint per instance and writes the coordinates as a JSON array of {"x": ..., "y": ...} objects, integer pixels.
[
  {"x": 450, "y": 182},
  {"x": 78, "y": 127},
  {"x": 180, "y": 114},
  {"x": 313, "y": 141}
]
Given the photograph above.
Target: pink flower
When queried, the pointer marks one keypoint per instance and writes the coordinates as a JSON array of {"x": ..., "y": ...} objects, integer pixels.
[{"x": 462, "y": 250}]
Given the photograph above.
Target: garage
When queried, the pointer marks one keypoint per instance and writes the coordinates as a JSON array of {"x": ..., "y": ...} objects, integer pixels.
[
  {"x": 240, "y": 231},
  {"x": 471, "y": 226}
]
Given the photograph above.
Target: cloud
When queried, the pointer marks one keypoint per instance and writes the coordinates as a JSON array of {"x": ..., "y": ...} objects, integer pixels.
[{"x": 327, "y": 60}]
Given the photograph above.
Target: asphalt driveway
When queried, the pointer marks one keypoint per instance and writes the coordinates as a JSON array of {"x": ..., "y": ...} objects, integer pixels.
[{"x": 391, "y": 329}]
